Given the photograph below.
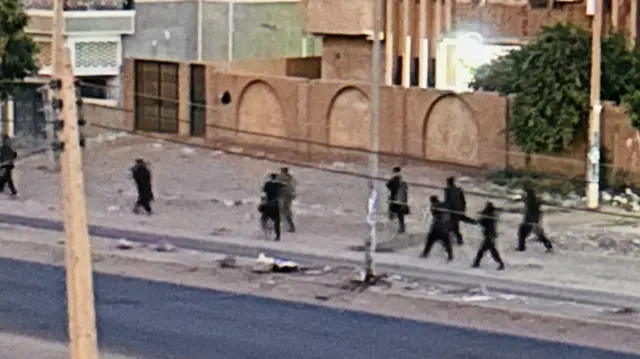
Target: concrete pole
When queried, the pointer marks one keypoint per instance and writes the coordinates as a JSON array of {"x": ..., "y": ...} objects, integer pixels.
[
  {"x": 372, "y": 218},
  {"x": 406, "y": 32},
  {"x": 633, "y": 23},
  {"x": 593, "y": 173},
  {"x": 424, "y": 45},
  {"x": 389, "y": 43}
]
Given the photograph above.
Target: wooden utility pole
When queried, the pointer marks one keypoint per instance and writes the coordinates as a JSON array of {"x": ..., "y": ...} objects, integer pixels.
[
  {"x": 593, "y": 171},
  {"x": 79, "y": 275}
]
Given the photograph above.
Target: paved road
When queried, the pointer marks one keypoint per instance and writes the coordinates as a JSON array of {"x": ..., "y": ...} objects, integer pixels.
[
  {"x": 445, "y": 276},
  {"x": 156, "y": 320}
]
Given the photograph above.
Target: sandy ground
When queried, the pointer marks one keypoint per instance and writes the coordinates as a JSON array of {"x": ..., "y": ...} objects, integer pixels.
[
  {"x": 562, "y": 322},
  {"x": 206, "y": 191}
]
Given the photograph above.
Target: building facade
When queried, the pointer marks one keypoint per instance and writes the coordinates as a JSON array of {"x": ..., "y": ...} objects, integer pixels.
[
  {"x": 100, "y": 33},
  {"x": 219, "y": 30},
  {"x": 94, "y": 30},
  {"x": 413, "y": 29}
]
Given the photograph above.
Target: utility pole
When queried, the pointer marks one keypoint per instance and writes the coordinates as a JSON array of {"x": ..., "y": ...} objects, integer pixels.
[
  {"x": 79, "y": 274},
  {"x": 593, "y": 171},
  {"x": 372, "y": 218},
  {"x": 82, "y": 316}
]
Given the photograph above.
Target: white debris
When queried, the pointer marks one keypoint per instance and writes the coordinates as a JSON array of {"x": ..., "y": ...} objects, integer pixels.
[
  {"x": 113, "y": 209},
  {"x": 620, "y": 199},
  {"x": 236, "y": 150},
  {"x": 124, "y": 244},
  {"x": 477, "y": 298},
  {"x": 339, "y": 165},
  {"x": 216, "y": 153},
  {"x": 165, "y": 246},
  {"x": 605, "y": 196},
  {"x": 229, "y": 202},
  {"x": 280, "y": 265},
  {"x": 157, "y": 145}
]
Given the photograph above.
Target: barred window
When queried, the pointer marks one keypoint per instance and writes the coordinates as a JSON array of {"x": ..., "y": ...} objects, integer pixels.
[{"x": 96, "y": 54}]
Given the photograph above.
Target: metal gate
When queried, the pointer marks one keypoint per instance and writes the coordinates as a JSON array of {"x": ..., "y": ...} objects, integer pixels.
[
  {"x": 28, "y": 121},
  {"x": 198, "y": 100},
  {"x": 156, "y": 98}
]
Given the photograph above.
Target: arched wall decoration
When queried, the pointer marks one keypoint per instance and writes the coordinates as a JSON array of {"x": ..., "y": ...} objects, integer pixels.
[
  {"x": 451, "y": 136},
  {"x": 346, "y": 106},
  {"x": 259, "y": 109}
]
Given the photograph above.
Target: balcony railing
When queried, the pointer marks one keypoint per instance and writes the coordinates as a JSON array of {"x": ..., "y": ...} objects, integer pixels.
[{"x": 81, "y": 5}]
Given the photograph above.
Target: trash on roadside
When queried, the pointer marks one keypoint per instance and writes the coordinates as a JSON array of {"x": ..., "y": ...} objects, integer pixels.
[
  {"x": 228, "y": 262},
  {"x": 277, "y": 264},
  {"x": 621, "y": 311},
  {"x": 165, "y": 246},
  {"x": 316, "y": 270},
  {"x": 477, "y": 298},
  {"x": 124, "y": 244}
]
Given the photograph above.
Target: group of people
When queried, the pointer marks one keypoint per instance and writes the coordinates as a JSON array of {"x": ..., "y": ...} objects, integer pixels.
[
  {"x": 449, "y": 213},
  {"x": 279, "y": 192}
]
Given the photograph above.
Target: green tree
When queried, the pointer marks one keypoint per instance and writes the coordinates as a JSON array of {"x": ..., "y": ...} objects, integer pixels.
[
  {"x": 549, "y": 80},
  {"x": 17, "y": 49}
]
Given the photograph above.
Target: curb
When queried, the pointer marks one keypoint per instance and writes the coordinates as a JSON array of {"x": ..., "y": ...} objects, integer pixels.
[{"x": 438, "y": 276}]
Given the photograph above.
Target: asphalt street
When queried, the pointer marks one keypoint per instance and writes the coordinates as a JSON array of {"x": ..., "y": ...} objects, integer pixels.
[
  {"x": 447, "y": 277},
  {"x": 146, "y": 319}
]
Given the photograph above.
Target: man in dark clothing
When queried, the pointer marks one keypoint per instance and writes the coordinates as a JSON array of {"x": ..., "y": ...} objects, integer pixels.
[
  {"x": 455, "y": 202},
  {"x": 439, "y": 230},
  {"x": 142, "y": 177},
  {"x": 398, "y": 198},
  {"x": 270, "y": 208},
  {"x": 7, "y": 158},
  {"x": 531, "y": 223},
  {"x": 488, "y": 222},
  {"x": 287, "y": 196}
]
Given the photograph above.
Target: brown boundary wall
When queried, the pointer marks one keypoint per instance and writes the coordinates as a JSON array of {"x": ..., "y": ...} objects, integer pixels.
[{"x": 313, "y": 119}]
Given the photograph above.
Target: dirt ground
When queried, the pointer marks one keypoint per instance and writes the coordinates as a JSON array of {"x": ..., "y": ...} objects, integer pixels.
[{"x": 205, "y": 191}]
